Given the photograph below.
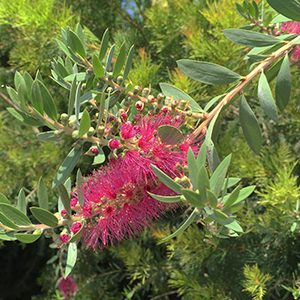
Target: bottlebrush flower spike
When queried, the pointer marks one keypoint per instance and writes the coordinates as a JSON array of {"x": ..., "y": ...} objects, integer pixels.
[
  {"x": 116, "y": 200},
  {"x": 293, "y": 27}
]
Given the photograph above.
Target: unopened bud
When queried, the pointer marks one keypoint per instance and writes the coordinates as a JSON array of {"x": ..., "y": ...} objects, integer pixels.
[
  {"x": 75, "y": 134},
  {"x": 91, "y": 131},
  {"x": 145, "y": 92},
  {"x": 139, "y": 105}
]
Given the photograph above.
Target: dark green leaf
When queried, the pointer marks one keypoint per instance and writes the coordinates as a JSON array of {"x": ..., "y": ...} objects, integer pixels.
[
  {"x": 250, "y": 38},
  {"x": 128, "y": 63},
  {"x": 266, "y": 98},
  {"x": 77, "y": 103},
  {"x": 120, "y": 61},
  {"x": 42, "y": 194},
  {"x": 165, "y": 179},
  {"x": 166, "y": 199},
  {"x": 44, "y": 216},
  {"x": 79, "y": 183},
  {"x": 212, "y": 199},
  {"x": 71, "y": 258},
  {"x": 177, "y": 94},
  {"x": 21, "y": 204},
  {"x": 64, "y": 197},
  {"x": 232, "y": 197},
  {"x": 75, "y": 43},
  {"x": 97, "y": 67},
  {"x": 23, "y": 117},
  {"x": 243, "y": 194},
  {"x": 67, "y": 167},
  {"x": 14, "y": 215},
  {"x": 72, "y": 96},
  {"x": 206, "y": 72},
  {"x": 27, "y": 238},
  {"x": 250, "y": 126},
  {"x": 193, "y": 198},
  {"x": 85, "y": 123},
  {"x": 170, "y": 135},
  {"x": 283, "y": 84},
  {"x": 109, "y": 58},
  {"x": 288, "y": 8},
  {"x": 218, "y": 177},
  {"x": 104, "y": 44}
]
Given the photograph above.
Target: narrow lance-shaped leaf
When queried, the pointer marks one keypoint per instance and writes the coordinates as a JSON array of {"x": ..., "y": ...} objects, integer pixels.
[
  {"x": 79, "y": 182},
  {"x": 14, "y": 215},
  {"x": 42, "y": 194},
  {"x": 288, "y": 8},
  {"x": 170, "y": 135},
  {"x": 67, "y": 166},
  {"x": 120, "y": 61},
  {"x": 250, "y": 38},
  {"x": 75, "y": 43},
  {"x": 27, "y": 238},
  {"x": 85, "y": 123},
  {"x": 177, "y": 94},
  {"x": 97, "y": 67},
  {"x": 193, "y": 169},
  {"x": 218, "y": 177},
  {"x": 109, "y": 58},
  {"x": 283, "y": 84},
  {"x": 7, "y": 222},
  {"x": 104, "y": 44},
  {"x": 128, "y": 63},
  {"x": 71, "y": 258},
  {"x": 64, "y": 198},
  {"x": 166, "y": 199},
  {"x": 183, "y": 227},
  {"x": 193, "y": 198},
  {"x": 72, "y": 96},
  {"x": 3, "y": 199},
  {"x": 44, "y": 216},
  {"x": 250, "y": 126},
  {"x": 77, "y": 103},
  {"x": 167, "y": 180},
  {"x": 266, "y": 98},
  {"x": 21, "y": 204},
  {"x": 206, "y": 72}
]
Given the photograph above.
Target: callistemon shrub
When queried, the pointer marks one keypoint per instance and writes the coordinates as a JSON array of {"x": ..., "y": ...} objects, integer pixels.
[{"x": 116, "y": 200}]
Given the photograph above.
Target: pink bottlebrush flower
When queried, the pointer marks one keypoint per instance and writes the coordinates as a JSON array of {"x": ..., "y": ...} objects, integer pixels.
[
  {"x": 75, "y": 227},
  {"x": 63, "y": 213},
  {"x": 293, "y": 27},
  {"x": 116, "y": 200},
  {"x": 67, "y": 287},
  {"x": 127, "y": 131}
]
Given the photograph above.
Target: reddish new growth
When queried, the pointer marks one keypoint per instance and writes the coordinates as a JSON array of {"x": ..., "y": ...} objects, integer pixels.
[
  {"x": 116, "y": 202},
  {"x": 67, "y": 287},
  {"x": 293, "y": 27}
]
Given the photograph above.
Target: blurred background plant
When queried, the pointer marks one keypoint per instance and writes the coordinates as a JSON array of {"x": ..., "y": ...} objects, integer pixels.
[{"x": 262, "y": 264}]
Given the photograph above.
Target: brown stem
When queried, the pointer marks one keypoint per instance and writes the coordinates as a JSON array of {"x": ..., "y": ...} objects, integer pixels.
[{"x": 242, "y": 84}]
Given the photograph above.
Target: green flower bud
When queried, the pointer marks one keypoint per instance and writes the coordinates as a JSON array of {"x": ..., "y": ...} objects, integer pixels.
[{"x": 75, "y": 134}]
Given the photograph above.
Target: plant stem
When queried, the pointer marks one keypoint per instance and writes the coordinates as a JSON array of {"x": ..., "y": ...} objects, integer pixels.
[{"x": 242, "y": 84}]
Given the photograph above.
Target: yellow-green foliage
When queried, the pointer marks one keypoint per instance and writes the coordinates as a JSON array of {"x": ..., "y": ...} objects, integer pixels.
[
  {"x": 36, "y": 24},
  {"x": 144, "y": 70},
  {"x": 255, "y": 282}
]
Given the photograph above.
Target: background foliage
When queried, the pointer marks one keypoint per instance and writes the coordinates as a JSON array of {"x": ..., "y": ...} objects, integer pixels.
[{"x": 262, "y": 264}]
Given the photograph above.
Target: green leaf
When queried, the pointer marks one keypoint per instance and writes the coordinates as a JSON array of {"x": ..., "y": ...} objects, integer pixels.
[
  {"x": 250, "y": 38},
  {"x": 182, "y": 227},
  {"x": 3, "y": 199},
  {"x": 23, "y": 117},
  {"x": 128, "y": 63},
  {"x": 232, "y": 181},
  {"x": 104, "y": 44},
  {"x": 170, "y": 135},
  {"x": 232, "y": 197},
  {"x": 42, "y": 194},
  {"x": 7, "y": 236},
  {"x": 243, "y": 194},
  {"x": 212, "y": 199},
  {"x": 79, "y": 182},
  {"x": 195, "y": 199},
  {"x": 72, "y": 96},
  {"x": 177, "y": 94},
  {"x": 13, "y": 95},
  {"x": 71, "y": 258},
  {"x": 47, "y": 136},
  {"x": 21, "y": 204},
  {"x": 288, "y": 8},
  {"x": 235, "y": 226},
  {"x": 265, "y": 97},
  {"x": 43, "y": 100},
  {"x": 97, "y": 67},
  {"x": 120, "y": 61},
  {"x": 44, "y": 216},
  {"x": 75, "y": 43},
  {"x": 218, "y": 177},
  {"x": 67, "y": 167},
  {"x": 85, "y": 123},
  {"x": 203, "y": 182},
  {"x": 201, "y": 157},
  {"x": 168, "y": 181},
  {"x": 77, "y": 103},
  {"x": 81, "y": 76},
  {"x": 212, "y": 102},
  {"x": 206, "y": 72},
  {"x": 193, "y": 169},
  {"x": 250, "y": 126},
  {"x": 100, "y": 158},
  {"x": 14, "y": 215},
  {"x": 76, "y": 236},
  {"x": 64, "y": 197},
  {"x": 283, "y": 84},
  {"x": 27, "y": 238},
  {"x": 109, "y": 58},
  {"x": 166, "y": 199},
  {"x": 7, "y": 222}
]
